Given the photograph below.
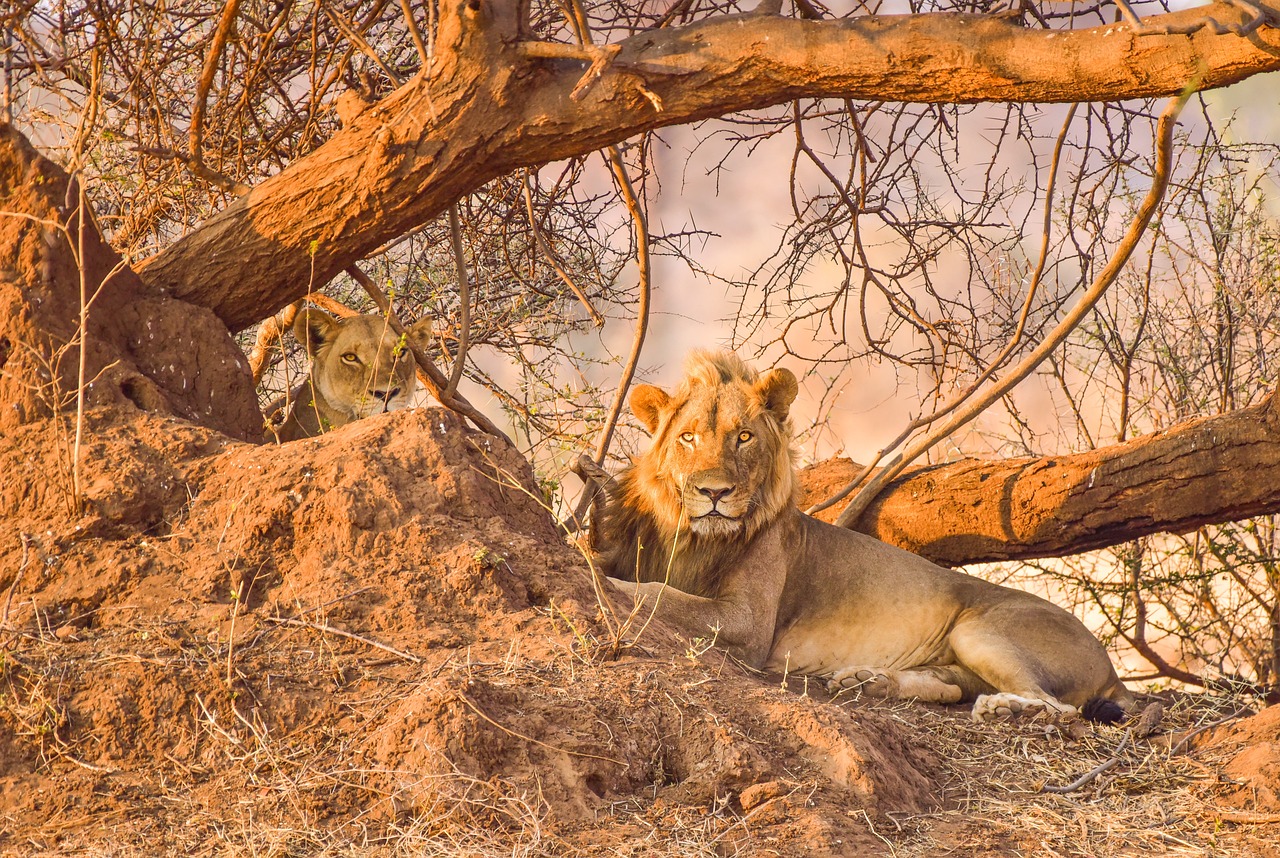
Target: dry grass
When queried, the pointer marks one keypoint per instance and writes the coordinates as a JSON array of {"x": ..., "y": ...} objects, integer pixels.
[
  {"x": 239, "y": 786},
  {"x": 235, "y": 780},
  {"x": 1160, "y": 798}
]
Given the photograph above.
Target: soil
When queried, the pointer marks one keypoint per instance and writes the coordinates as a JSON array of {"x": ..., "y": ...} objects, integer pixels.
[{"x": 378, "y": 640}]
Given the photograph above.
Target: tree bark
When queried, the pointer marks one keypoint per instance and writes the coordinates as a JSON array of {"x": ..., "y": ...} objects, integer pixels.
[
  {"x": 489, "y": 103},
  {"x": 1205, "y": 471}
]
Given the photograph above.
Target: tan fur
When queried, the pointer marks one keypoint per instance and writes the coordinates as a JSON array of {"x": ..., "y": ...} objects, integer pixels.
[
  {"x": 359, "y": 367},
  {"x": 710, "y": 510}
]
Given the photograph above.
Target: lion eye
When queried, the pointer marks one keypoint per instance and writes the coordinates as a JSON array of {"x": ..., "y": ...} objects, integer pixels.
[
  {"x": 687, "y": 437},
  {"x": 351, "y": 357},
  {"x": 744, "y": 436}
]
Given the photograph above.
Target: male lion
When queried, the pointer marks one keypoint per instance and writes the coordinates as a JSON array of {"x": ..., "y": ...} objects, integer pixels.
[
  {"x": 711, "y": 510},
  {"x": 359, "y": 367}
]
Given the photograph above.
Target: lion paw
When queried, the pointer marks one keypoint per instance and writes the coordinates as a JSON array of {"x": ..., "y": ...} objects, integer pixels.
[
  {"x": 1003, "y": 706},
  {"x": 869, "y": 681}
]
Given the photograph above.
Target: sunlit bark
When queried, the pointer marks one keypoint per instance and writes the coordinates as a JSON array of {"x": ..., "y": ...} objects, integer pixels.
[
  {"x": 491, "y": 102},
  {"x": 1205, "y": 471}
]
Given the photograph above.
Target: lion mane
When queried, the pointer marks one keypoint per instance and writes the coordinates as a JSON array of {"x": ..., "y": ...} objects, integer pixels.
[{"x": 648, "y": 530}]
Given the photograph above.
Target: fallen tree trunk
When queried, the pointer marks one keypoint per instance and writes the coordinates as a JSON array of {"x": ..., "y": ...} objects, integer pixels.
[
  {"x": 1208, "y": 470},
  {"x": 491, "y": 102}
]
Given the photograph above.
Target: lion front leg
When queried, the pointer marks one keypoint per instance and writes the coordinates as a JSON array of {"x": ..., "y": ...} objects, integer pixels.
[
  {"x": 736, "y": 627},
  {"x": 930, "y": 684}
]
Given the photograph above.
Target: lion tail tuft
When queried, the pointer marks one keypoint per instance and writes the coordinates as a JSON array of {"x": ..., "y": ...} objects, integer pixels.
[{"x": 1102, "y": 711}]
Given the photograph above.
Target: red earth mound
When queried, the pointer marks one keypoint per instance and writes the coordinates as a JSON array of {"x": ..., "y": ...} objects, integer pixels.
[
  {"x": 381, "y": 627},
  {"x": 1252, "y": 770}
]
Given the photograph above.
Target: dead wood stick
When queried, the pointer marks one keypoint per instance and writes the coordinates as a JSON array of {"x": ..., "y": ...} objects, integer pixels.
[{"x": 1089, "y": 776}]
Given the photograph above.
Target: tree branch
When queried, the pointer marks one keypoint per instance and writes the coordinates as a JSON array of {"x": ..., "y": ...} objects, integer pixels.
[
  {"x": 1208, "y": 470},
  {"x": 482, "y": 110},
  {"x": 196, "y": 133}
]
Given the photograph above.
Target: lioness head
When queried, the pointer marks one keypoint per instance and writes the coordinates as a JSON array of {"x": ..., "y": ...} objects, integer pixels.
[
  {"x": 721, "y": 461},
  {"x": 359, "y": 365}
]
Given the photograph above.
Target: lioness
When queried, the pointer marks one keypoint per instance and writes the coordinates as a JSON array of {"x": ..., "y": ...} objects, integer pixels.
[
  {"x": 710, "y": 509},
  {"x": 359, "y": 367}
]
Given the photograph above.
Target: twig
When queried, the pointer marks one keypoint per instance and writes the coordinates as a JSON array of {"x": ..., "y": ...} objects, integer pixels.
[
  {"x": 328, "y": 629},
  {"x": 213, "y": 722},
  {"x": 424, "y": 53},
  {"x": 270, "y": 335},
  {"x": 966, "y": 413},
  {"x": 206, "y": 82},
  {"x": 599, "y": 56},
  {"x": 1185, "y": 740},
  {"x": 545, "y": 247},
  {"x": 361, "y": 45},
  {"x": 614, "y": 156},
  {"x": 82, "y": 214},
  {"x": 464, "y": 302},
  {"x": 1093, "y": 773},
  {"x": 1246, "y": 818},
  {"x": 197, "y": 168},
  {"x": 17, "y": 577},
  {"x": 106, "y": 770},
  {"x": 1259, "y": 17}
]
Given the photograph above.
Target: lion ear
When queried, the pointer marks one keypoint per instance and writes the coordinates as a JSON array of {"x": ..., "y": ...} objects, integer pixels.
[
  {"x": 313, "y": 328},
  {"x": 422, "y": 332},
  {"x": 647, "y": 402},
  {"x": 777, "y": 389}
]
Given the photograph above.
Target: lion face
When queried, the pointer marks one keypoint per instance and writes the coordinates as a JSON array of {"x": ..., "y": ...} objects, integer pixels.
[
  {"x": 720, "y": 465},
  {"x": 359, "y": 364}
]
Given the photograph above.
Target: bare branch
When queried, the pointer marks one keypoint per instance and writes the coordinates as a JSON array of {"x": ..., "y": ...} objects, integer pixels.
[
  {"x": 212, "y": 59},
  {"x": 1160, "y": 180},
  {"x": 464, "y": 303},
  {"x": 641, "y": 223}
]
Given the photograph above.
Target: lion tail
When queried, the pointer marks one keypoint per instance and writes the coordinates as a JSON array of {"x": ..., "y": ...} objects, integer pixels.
[{"x": 1100, "y": 710}]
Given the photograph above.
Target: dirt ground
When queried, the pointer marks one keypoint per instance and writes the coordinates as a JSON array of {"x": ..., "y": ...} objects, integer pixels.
[{"x": 377, "y": 642}]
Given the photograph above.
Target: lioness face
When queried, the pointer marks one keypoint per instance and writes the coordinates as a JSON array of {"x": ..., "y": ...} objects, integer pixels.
[
  {"x": 721, "y": 452},
  {"x": 359, "y": 364}
]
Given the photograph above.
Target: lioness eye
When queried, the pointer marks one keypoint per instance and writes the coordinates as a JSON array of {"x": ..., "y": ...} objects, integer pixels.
[
  {"x": 686, "y": 437},
  {"x": 744, "y": 437},
  {"x": 350, "y": 357}
]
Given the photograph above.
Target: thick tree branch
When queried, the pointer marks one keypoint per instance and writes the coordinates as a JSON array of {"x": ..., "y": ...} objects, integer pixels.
[
  {"x": 485, "y": 107},
  {"x": 1205, "y": 471}
]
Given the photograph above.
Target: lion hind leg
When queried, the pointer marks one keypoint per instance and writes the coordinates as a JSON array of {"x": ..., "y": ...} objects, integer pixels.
[
  {"x": 929, "y": 684},
  {"x": 1031, "y": 651}
]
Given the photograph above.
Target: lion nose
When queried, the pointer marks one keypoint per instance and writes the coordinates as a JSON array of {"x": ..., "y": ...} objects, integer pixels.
[
  {"x": 716, "y": 493},
  {"x": 387, "y": 395}
]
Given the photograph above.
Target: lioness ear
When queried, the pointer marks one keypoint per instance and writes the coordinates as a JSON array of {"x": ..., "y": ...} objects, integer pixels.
[
  {"x": 777, "y": 389},
  {"x": 313, "y": 328},
  {"x": 647, "y": 402},
  {"x": 421, "y": 332}
]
